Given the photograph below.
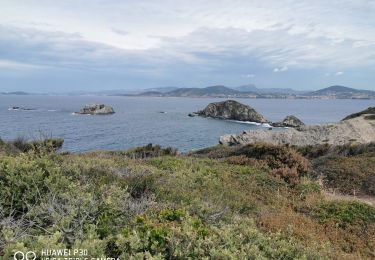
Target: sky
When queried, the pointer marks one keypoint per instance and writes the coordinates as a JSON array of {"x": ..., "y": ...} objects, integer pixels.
[{"x": 91, "y": 45}]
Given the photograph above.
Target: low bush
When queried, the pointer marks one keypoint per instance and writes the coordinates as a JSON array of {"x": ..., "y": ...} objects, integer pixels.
[
  {"x": 243, "y": 160},
  {"x": 289, "y": 175},
  {"x": 177, "y": 207},
  {"x": 190, "y": 238},
  {"x": 150, "y": 151},
  {"x": 349, "y": 175},
  {"x": 345, "y": 213},
  {"x": 308, "y": 187},
  {"x": 21, "y": 144},
  {"x": 273, "y": 155},
  {"x": 350, "y": 149}
]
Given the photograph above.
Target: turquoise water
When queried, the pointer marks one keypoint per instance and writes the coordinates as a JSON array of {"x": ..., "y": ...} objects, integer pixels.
[{"x": 139, "y": 121}]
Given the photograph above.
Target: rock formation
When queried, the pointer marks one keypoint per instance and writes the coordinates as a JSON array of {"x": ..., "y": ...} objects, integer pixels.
[
  {"x": 96, "y": 109},
  {"x": 369, "y": 112},
  {"x": 359, "y": 129},
  {"x": 289, "y": 121},
  {"x": 233, "y": 110}
]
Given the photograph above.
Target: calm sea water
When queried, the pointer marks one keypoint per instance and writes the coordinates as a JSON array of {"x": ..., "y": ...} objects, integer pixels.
[{"x": 138, "y": 120}]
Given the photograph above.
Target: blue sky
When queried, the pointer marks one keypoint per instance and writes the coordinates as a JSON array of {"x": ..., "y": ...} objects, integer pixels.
[{"x": 72, "y": 45}]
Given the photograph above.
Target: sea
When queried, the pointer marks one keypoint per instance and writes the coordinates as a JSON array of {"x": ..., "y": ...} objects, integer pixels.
[{"x": 139, "y": 121}]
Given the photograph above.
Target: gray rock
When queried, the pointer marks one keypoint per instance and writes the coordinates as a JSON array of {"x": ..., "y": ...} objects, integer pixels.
[
  {"x": 96, "y": 109},
  {"x": 355, "y": 130},
  {"x": 233, "y": 110},
  {"x": 289, "y": 121}
]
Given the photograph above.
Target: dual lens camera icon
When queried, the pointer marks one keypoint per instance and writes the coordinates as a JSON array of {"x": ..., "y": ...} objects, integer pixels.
[{"x": 30, "y": 255}]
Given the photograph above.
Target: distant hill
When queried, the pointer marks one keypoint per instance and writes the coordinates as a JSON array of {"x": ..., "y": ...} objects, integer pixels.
[
  {"x": 212, "y": 91},
  {"x": 244, "y": 91},
  {"x": 160, "y": 89},
  {"x": 247, "y": 88},
  {"x": 251, "y": 91},
  {"x": 254, "y": 89},
  {"x": 342, "y": 92},
  {"x": 15, "y": 93},
  {"x": 151, "y": 93}
]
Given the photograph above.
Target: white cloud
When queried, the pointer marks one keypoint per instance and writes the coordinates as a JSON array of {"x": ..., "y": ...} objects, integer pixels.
[
  {"x": 339, "y": 73},
  {"x": 281, "y": 69},
  {"x": 248, "y": 76},
  {"x": 283, "y": 35},
  {"x": 12, "y": 65}
]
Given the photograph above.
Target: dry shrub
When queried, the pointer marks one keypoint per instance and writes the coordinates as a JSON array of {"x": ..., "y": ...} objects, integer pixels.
[
  {"x": 298, "y": 225},
  {"x": 351, "y": 243},
  {"x": 348, "y": 175},
  {"x": 214, "y": 152},
  {"x": 243, "y": 160},
  {"x": 289, "y": 175},
  {"x": 276, "y": 156}
]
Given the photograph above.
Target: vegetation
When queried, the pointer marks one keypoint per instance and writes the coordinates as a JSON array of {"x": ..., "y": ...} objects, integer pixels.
[
  {"x": 22, "y": 145},
  {"x": 348, "y": 169},
  {"x": 252, "y": 202}
]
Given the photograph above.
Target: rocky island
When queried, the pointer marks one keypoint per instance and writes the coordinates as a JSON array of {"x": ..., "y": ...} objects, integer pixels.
[
  {"x": 356, "y": 128},
  {"x": 232, "y": 110},
  {"x": 289, "y": 121},
  {"x": 96, "y": 109}
]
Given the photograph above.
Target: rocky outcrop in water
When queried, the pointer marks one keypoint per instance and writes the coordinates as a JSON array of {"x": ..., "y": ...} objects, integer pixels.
[
  {"x": 21, "y": 108},
  {"x": 354, "y": 130},
  {"x": 289, "y": 121},
  {"x": 96, "y": 109},
  {"x": 232, "y": 110}
]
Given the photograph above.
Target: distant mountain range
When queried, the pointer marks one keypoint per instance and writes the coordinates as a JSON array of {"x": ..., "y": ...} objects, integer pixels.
[
  {"x": 341, "y": 92},
  {"x": 213, "y": 91},
  {"x": 250, "y": 91},
  {"x": 15, "y": 93},
  {"x": 253, "y": 88},
  {"x": 245, "y": 91}
]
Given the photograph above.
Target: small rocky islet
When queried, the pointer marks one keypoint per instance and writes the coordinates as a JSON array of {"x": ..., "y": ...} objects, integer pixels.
[
  {"x": 96, "y": 109},
  {"x": 232, "y": 110},
  {"x": 289, "y": 121}
]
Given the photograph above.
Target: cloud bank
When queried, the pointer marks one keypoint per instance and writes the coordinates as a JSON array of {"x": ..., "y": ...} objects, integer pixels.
[{"x": 129, "y": 44}]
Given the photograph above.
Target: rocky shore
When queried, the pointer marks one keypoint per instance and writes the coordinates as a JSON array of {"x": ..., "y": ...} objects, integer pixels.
[{"x": 356, "y": 128}]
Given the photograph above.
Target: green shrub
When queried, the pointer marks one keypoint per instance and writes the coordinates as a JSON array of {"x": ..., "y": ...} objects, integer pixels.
[
  {"x": 150, "y": 151},
  {"x": 172, "y": 214},
  {"x": 176, "y": 207},
  {"x": 344, "y": 213},
  {"x": 308, "y": 187},
  {"x": 192, "y": 239},
  {"x": 350, "y": 149},
  {"x": 21, "y": 144}
]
